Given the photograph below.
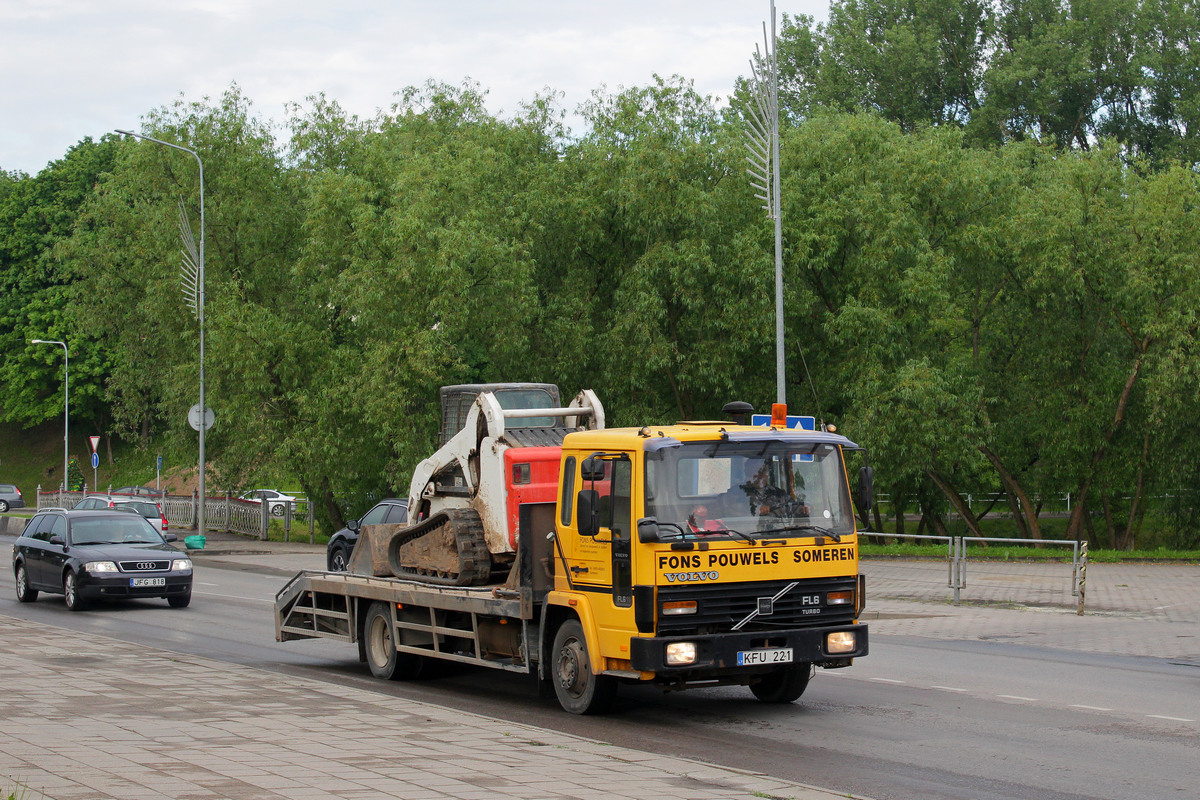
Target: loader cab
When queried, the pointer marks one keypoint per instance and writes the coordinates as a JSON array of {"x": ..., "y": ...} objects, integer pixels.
[{"x": 457, "y": 401}]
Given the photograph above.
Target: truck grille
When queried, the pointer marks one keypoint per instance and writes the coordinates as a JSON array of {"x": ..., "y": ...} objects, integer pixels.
[{"x": 720, "y": 606}]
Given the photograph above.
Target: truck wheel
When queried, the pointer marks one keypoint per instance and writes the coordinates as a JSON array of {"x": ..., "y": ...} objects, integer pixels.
[
  {"x": 379, "y": 638},
  {"x": 783, "y": 686},
  {"x": 579, "y": 690}
]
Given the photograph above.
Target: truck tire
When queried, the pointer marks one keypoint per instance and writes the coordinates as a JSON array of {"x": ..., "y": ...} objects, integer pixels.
[
  {"x": 579, "y": 690},
  {"x": 784, "y": 685},
  {"x": 379, "y": 640}
]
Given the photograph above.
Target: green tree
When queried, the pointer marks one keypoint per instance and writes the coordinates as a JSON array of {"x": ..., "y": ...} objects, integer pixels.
[{"x": 35, "y": 214}]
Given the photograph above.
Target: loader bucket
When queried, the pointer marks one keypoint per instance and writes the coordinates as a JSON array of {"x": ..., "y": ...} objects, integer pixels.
[{"x": 370, "y": 556}]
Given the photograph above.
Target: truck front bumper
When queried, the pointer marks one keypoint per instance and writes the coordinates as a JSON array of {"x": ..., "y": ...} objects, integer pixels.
[{"x": 717, "y": 654}]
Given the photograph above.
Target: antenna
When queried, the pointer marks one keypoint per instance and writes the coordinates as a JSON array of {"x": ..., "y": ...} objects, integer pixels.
[{"x": 762, "y": 142}]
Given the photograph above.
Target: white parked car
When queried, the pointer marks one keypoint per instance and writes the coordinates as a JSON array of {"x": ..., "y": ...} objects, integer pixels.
[{"x": 276, "y": 501}]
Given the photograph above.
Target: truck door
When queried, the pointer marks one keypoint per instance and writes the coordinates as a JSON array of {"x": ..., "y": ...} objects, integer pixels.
[
  {"x": 620, "y": 524},
  {"x": 605, "y": 527},
  {"x": 604, "y": 546}
]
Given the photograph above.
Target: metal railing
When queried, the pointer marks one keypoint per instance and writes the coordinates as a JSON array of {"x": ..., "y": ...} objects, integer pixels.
[
  {"x": 222, "y": 513},
  {"x": 998, "y": 580}
]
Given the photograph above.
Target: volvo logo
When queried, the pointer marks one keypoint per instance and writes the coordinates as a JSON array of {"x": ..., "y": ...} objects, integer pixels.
[{"x": 145, "y": 565}]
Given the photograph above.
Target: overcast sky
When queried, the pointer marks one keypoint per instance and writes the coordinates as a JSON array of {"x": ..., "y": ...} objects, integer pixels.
[{"x": 76, "y": 68}]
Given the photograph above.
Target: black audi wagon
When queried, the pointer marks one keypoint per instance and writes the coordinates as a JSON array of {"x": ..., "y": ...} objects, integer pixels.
[{"x": 98, "y": 555}]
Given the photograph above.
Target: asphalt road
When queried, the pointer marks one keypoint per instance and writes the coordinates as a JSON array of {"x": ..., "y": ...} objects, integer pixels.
[{"x": 918, "y": 718}]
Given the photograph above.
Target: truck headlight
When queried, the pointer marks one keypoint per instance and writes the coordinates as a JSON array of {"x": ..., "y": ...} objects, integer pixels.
[
  {"x": 840, "y": 642},
  {"x": 181, "y": 564},
  {"x": 680, "y": 654},
  {"x": 100, "y": 566}
]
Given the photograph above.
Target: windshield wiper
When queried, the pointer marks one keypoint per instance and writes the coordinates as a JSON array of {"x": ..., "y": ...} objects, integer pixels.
[
  {"x": 816, "y": 529},
  {"x": 738, "y": 533}
]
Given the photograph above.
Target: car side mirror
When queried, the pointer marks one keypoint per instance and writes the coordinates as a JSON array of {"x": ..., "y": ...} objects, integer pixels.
[
  {"x": 170, "y": 537},
  {"x": 647, "y": 528},
  {"x": 353, "y": 525},
  {"x": 56, "y": 539}
]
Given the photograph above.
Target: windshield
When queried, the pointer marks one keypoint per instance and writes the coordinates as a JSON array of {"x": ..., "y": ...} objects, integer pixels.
[
  {"x": 754, "y": 488},
  {"x": 114, "y": 529},
  {"x": 148, "y": 510}
]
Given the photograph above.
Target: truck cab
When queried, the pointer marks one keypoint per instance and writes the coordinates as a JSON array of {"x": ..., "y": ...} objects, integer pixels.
[{"x": 707, "y": 554}]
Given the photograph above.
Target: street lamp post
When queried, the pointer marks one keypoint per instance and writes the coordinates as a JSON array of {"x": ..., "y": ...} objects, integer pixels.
[
  {"x": 199, "y": 308},
  {"x": 66, "y": 404}
]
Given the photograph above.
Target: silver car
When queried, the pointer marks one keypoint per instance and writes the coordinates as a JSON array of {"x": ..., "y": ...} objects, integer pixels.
[
  {"x": 10, "y": 497},
  {"x": 149, "y": 509}
]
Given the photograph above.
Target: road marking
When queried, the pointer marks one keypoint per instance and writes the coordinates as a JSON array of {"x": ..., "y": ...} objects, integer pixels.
[
  {"x": 1172, "y": 719},
  {"x": 885, "y": 680},
  {"x": 948, "y": 688},
  {"x": 1091, "y": 708},
  {"x": 1018, "y": 697},
  {"x": 237, "y": 597}
]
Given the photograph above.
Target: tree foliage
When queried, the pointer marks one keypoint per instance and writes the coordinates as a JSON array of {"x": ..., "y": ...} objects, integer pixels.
[{"x": 990, "y": 264}]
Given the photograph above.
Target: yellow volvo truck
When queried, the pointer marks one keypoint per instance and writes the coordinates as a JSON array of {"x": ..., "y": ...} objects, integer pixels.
[{"x": 687, "y": 555}]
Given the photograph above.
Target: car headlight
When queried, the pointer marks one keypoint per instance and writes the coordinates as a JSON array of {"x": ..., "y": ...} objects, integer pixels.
[
  {"x": 840, "y": 642},
  {"x": 181, "y": 564},
  {"x": 681, "y": 654},
  {"x": 100, "y": 566}
]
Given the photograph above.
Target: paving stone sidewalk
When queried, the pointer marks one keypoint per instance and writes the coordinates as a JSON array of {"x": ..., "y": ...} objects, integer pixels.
[{"x": 88, "y": 717}]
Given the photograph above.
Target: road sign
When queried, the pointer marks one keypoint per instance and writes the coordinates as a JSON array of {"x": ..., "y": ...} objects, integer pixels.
[
  {"x": 194, "y": 417},
  {"x": 793, "y": 421},
  {"x": 159, "y": 464},
  {"x": 95, "y": 441},
  {"x": 95, "y": 460}
]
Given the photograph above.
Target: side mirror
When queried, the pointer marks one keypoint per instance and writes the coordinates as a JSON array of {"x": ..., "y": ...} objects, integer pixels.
[
  {"x": 586, "y": 501},
  {"x": 170, "y": 537},
  {"x": 56, "y": 539},
  {"x": 864, "y": 497},
  {"x": 592, "y": 469},
  {"x": 353, "y": 525},
  {"x": 647, "y": 528}
]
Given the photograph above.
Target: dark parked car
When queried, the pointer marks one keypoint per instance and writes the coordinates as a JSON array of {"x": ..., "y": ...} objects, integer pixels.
[
  {"x": 341, "y": 544},
  {"x": 10, "y": 497},
  {"x": 98, "y": 555}
]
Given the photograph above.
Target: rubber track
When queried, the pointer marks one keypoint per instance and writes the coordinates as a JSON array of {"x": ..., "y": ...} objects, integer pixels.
[{"x": 474, "y": 560}]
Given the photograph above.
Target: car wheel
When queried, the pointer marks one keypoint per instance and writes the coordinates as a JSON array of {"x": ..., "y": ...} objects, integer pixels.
[
  {"x": 339, "y": 559},
  {"x": 24, "y": 593},
  {"x": 74, "y": 600},
  {"x": 277, "y": 510},
  {"x": 3, "y": 505},
  {"x": 180, "y": 600},
  {"x": 579, "y": 690},
  {"x": 783, "y": 686}
]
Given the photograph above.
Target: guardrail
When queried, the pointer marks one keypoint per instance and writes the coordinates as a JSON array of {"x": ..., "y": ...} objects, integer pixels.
[
  {"x": 991, "y": 579},
  {"x": 227, "y": 513}
]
